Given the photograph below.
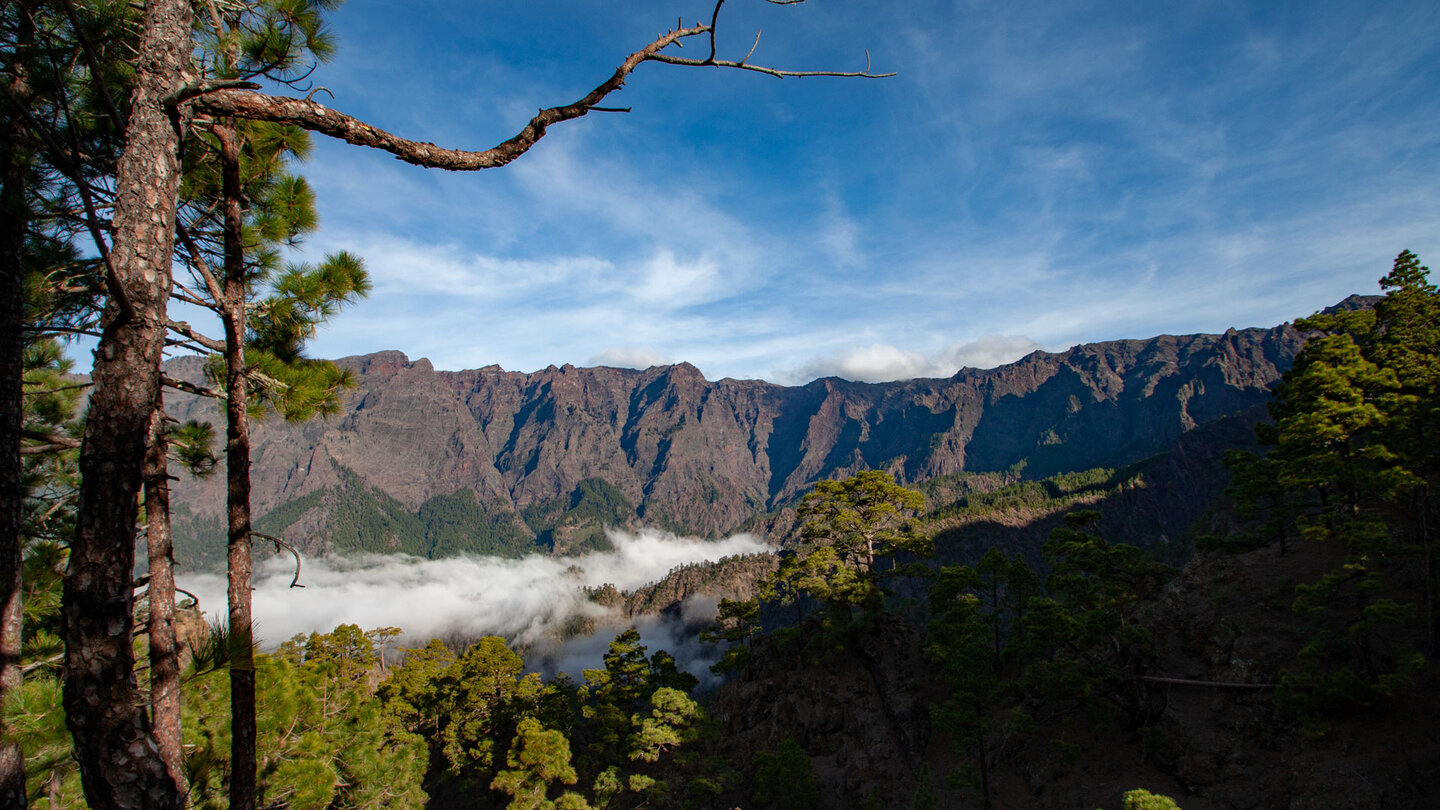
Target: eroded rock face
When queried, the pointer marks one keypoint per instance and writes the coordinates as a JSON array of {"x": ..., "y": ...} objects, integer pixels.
[{"x": 701, "y": 456}]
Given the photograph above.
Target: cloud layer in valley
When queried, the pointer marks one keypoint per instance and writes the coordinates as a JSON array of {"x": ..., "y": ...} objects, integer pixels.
[{"x": 525, "y": 600}]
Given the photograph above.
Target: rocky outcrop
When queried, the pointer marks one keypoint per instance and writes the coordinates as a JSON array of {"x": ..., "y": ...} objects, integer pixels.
[{"x": 702, "y": 457}]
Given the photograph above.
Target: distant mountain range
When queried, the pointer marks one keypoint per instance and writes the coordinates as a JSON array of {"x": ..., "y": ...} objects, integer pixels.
[{"x": 437, "y": 462}]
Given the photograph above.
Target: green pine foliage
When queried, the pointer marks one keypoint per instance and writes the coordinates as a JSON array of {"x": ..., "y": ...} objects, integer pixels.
[
  {"x": 324, "y": 740},
  {"x": 1352, "y": 467},
  {"x": 1011, "y": 646},
  {"x": 359, "y": 517},
  {"x": 538, "y": 758},
  {"x": 785, "y": 779},
  {"x": 35, "y": 719},
  {"x": 960, "y": 643},
  {"x": 737, "y": 623},
  {"x": 355, "y": 516},
  {"x": 614, "y": 742},
  {"x": 1082, "y": 633},
  {"x": 1052, "y": 494},
  {"x": 458, "y": 524},
  {"x": 852, "y": 532},
  {"x": 50, "y": 466},
  {"x": 1140, "y": 799},
  {"x": 576, "y": 523}
]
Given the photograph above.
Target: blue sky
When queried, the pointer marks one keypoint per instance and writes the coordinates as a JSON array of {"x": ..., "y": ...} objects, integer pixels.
[{"x": 1038, "y": 174}]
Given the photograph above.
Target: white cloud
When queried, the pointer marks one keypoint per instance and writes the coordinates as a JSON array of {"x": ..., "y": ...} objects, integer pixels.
[
  {"x": 523, "y": 600},
  {"x": 881, "y": 362},
  {"x": 628, "y": 357},
  {"x": 985, "y": 352}
]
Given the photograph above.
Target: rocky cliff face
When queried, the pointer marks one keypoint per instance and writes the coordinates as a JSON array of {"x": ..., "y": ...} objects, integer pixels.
[{"x": 675, "y": 450}]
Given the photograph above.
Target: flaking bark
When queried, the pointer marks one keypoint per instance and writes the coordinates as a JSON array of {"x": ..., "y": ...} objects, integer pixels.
[
  {"x": 120, "y": 765},
  {"x": 164, "y": 649}
]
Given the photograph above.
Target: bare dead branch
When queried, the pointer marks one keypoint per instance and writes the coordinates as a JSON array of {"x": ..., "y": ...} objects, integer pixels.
[
  {"x": 769, "y": 71},
  {"x": 317, "y": 117},
  {"x": 46, "y": 329},
  {"x": 1208, "y": 684},
  {"x": 197, "y": 88},
  {"x": 52, "y": 441},
  {"x": 193, "y": 597},
  {"x": 49, "y": 391},
  {"x": 714, "y": 23},
  {"x": 237, "y": 99},
  {"x": 191, "y": 388},
  {"x": 189, "y": 332},
  {"x": 753, "y": 46},
  {"x": 197, "y": 261},
  {"x": 180, "y": 292},
  {"x": 279, "y": 544},
  {"x": 42, "y": 663}
]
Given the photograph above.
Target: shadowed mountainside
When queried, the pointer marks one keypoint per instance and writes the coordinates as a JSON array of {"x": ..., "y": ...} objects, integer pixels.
[{"x": 437, "y": 462}]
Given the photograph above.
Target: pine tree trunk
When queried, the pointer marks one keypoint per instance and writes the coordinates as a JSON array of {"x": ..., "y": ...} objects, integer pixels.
[
  {"x": 237, "y": 472},
  {"x": 120, "y": 766},
  {"x": 164, "y": 651},
  {"x": 13, "y": 221}
]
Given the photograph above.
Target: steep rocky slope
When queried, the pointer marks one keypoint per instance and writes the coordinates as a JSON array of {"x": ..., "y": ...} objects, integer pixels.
[{"x": 666, "y": 447}]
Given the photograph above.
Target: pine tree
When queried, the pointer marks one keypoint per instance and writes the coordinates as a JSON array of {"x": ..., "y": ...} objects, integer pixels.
[
  {"x": 1354, "y": 457},
  {"x": 848, "y": 527},
  {"x": 113, "y": 743},
  {"x": 538, "y": 758}
]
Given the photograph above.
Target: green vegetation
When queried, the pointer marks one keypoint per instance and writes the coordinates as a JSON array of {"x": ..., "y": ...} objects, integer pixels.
[
  {"x": 1065, "y": 646},
  {"x": 577, "y": 523},
  {"x": 1353, "y": 470},
  {"x": 355, "y": 516},
  {"x": 363, "y": 518},
  {"x": 458, "y": 524},
  {"x": 324, "y": 740},
  {"x": 1027, "y": 656},
  {"x": 785, "y": 779},
  {"x": 1139, "y": 799},
  {"x": 616, "y": 738},
  {"x": 1052, "y": 494},
  {"x": 848, "y": 528}
]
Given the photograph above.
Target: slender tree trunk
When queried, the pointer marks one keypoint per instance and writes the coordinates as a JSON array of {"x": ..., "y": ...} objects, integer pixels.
[
  {"x": 237, "y": 472},
  {"x": 120, "y": 765},
  {"x": 13, "y": 221},
  {"x": 981, "y": 759},
  {"x": 164, "y": 651}
]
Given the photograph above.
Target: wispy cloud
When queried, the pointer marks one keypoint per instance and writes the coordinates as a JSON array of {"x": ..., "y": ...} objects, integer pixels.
[{"x": 1063, "y": 172}]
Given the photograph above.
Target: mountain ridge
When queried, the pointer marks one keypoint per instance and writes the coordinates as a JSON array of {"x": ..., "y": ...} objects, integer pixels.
[{"x": 701, "y": 457}]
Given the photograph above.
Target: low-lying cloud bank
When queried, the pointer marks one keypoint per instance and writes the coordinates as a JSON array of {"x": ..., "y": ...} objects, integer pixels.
[
  {"x": 881, "y": 362},
  {"x": 523, "y": 600}
]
